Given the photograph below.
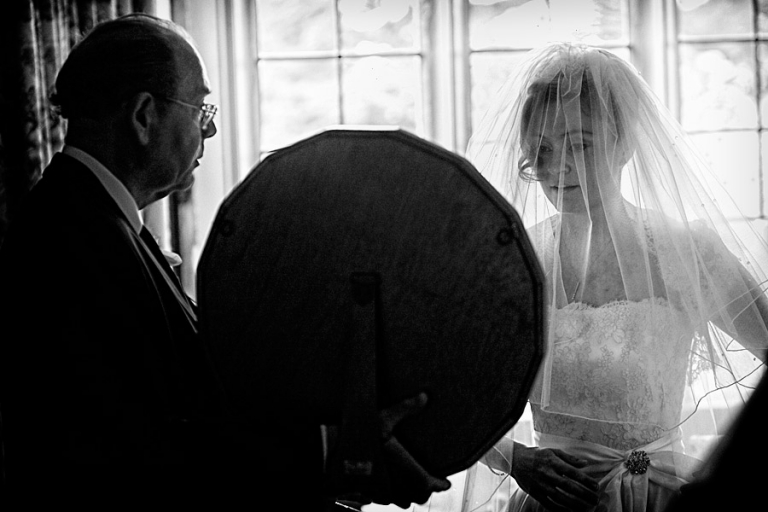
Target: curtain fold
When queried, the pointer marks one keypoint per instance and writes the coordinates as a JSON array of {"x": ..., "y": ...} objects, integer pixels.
[{"x": 35, "y": 38}]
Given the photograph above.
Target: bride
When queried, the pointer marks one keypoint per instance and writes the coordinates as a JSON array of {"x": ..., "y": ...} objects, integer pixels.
[{"x": 656, "y": 311}]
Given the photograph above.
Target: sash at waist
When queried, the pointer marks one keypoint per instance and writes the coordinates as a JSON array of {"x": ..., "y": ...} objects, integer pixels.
[{"x": 625, "y": 475}]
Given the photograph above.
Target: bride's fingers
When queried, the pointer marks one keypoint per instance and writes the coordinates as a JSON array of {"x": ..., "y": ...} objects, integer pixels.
[
  {"x": 575, "y": 492},
  {"x": 570, "y": 493},
  {"x": 556, "y": 479},
  {"x": 556, "y": 498},
  {"x": 574, "y": 461},
  {"x": 580, "y": 483},
  {"x": 568, "y": 486}
]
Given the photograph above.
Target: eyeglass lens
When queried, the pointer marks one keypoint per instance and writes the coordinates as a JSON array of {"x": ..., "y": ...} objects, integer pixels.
[{"x": 207, "y": 113}]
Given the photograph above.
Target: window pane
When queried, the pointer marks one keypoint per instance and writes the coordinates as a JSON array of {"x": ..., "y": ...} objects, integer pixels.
[
  {"x": 733, "y": 158},
  {"x": 530, "y": 23},
  {"x": 295, "y": 25},
  {"x": 762, "y": 16},
  {"x": 764, "y": 174},
  {"x": 297, "y": 99},
  {"x": 712, "y": 17},
  {"x": 383, "y": 90},
  {"x": 717, "y": 86},
  {"x": 375, "y": 26},
  {"x": 763, "y": 60},
  {"x": 489, "y": 72}
]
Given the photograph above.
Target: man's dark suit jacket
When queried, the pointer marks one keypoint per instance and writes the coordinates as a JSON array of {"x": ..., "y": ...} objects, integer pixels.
[{"x": 106, "y": 388}]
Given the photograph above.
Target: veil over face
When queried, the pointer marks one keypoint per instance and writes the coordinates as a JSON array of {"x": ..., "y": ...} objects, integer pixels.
[{"x": 620, "y": 208}]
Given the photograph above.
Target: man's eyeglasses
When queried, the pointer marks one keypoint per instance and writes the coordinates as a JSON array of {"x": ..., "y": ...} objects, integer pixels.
[{"x": 207, "y": 111}]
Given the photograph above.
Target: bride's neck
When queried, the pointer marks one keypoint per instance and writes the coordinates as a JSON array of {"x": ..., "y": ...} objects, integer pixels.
[{"x": 592, "y": 226}]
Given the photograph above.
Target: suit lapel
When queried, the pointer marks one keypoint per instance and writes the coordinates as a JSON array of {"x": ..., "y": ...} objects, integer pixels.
[
  {"x": 165, "y": 270},
  {"x": 69, "y": 169}
]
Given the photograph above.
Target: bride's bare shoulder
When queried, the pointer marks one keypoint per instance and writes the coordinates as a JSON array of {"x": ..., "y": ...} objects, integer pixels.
[{"x": 659, "y": 222}]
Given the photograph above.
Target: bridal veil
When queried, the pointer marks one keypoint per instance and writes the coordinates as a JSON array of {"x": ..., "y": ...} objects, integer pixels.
[{"x": 625, "y": 214}]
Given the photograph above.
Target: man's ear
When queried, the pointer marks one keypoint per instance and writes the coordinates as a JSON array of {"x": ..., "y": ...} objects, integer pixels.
[{"x": 142, "y": 116}]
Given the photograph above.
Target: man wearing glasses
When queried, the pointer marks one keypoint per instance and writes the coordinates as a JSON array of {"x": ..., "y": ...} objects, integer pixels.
[{"x": 106, "y": 393}]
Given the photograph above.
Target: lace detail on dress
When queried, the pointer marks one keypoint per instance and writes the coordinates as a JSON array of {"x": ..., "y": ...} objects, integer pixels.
[
  {"x": 703, "y": 290},
  {"x": 619, "y": 372},
  {"x": 699, "y": 287}
]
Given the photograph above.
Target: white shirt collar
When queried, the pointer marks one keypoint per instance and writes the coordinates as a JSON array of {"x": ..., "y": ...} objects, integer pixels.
[{"x": 114, "y": 186}]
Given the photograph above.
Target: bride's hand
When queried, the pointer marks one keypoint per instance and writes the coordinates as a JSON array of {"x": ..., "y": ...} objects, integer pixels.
[{"x": 554, "y": 478}]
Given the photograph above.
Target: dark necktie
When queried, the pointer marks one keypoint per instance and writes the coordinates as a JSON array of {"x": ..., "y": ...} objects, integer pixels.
[
  {"x": 159, "y": 258},
  {"x": 146, "y": 235}
]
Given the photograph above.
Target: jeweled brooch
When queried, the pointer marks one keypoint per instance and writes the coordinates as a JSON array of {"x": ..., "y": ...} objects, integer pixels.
[{"x": 637, "y": 462}]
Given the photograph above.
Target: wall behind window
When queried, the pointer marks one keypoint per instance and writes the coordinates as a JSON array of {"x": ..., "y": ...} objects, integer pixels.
[{"x": 284, "y": 69}]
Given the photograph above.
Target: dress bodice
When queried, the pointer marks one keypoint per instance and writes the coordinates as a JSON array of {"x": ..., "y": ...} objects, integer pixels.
[{"x": 618, "y": 372}]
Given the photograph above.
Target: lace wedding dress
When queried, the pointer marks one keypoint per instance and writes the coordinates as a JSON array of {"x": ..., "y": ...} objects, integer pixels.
[
  {"x": 656, "y": 328},
  {"x": 623, "y": 367}
]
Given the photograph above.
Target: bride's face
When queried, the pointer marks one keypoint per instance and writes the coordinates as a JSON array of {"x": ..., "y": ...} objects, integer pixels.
[{"x": 569, "y": 155}]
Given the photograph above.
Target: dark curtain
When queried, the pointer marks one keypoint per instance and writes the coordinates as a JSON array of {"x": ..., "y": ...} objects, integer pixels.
[{"x": 35, "y": 38}]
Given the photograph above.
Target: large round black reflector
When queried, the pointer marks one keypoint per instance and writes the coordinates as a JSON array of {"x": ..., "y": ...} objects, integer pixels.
[{"x": 458, "y": 291}]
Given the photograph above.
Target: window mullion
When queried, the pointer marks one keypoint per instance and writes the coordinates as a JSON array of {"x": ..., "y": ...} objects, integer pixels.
[
  {"x": 672, "y": 52},
  {"x": 462, "y": 76},
  {"x": 339, "y": 60},
  {"x": 649, "y": 44},
  {"x": 438, "y": 74}
]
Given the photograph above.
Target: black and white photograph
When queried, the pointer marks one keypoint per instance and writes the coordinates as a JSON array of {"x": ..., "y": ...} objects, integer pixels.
[{"x": 384, "y": 255}]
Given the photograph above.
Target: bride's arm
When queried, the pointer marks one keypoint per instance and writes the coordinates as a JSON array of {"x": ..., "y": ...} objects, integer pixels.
[
  {"x": 733, "y": 288},
  {"x": 750, "y": 318},
  {"x": 499, "y": 458}
]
